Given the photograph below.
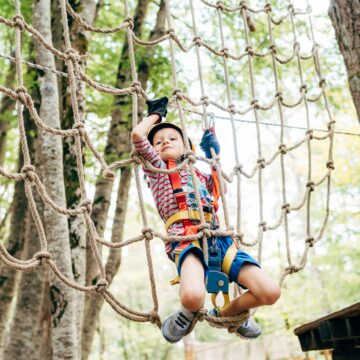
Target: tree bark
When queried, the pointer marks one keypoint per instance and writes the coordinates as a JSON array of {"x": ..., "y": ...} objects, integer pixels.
[
  {"x": 19, "y": 343},
  {"x": 79, "y": 40},
  {"x": 118, "y": 146},
  {"x": 345, "y": 17},
  {"x": 63, "y": 334},
  {"x": 7, "y": 104},
  {"x": 15, "y": 242}
]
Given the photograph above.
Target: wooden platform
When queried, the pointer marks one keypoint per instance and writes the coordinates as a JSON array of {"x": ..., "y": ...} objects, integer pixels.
[{"x": 339, "y": 331}]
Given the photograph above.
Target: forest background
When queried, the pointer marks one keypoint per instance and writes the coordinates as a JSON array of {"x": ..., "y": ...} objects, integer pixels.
[{"x": 329, "y": 281}]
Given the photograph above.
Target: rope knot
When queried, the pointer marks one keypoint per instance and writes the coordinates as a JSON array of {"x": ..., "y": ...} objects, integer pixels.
[
  {"x": 178, "y": 93},
  {"x": 231, "y": 109},
  {"x": 273, "y": 48},
  {"x": 86, "y": 205},
  {"x": 29, "y": 171},
  {"x": 315, "y": 48},
  {"x": 148, "y": 233},
  {"x": 224, "y": 52},
  {"x": 19, "y": 22},
  {"x": 238, "y": 168},
  {"x": 310, "y": 241},
  {"x": 296, "y": 47},
  {"x": 291, "y": 8},
  {"x": 250, "y": 50},
  {"x": 72, "y": 55},
  {"x": 215, "y": 160},
  {"x": 197, "y": 41},
  {"x": 23, "y": 95},
  {"x": 171, "y": 32},
  {"x": 291, "y": 269},
  {"x": 220, "y": 5},
  {"x": 283, "y": 149},
  {"x": 79, "y": 126},
  {"x": 101, "y": 285},
  {"x": 255, "y": 104},
  {"x": 136, "y": 157},
  {"x": 268, "y": 7},
  {"x": 263, "y": 225},
  {"x": 310, "y": 134},
  {"x": 261, "y": 162},
  {"x": 136, "y": 85},
  {"x": 205, "y": 100},
  {"x": 286, "y": 207},
  {"x": 303, "y": 89},
  {"x": 205, "y": 228},
  {"x": 190, "y": 156},
  {"x": 129, "y": 20},
  {"x": 154, "y": 317},
  {"x": 239, "y": 236},
  {"x": 243, "y": 5},
  {"x": 330, "y": 165},
  {"x": 310, "y": 185},
  {"x": 322, "y": 83},
  {"x": 279, "y": 96},
  {"x": 331, "y": 124},
  {"x": 108, "y": 174},
  {"x": 43, "y": 257}
]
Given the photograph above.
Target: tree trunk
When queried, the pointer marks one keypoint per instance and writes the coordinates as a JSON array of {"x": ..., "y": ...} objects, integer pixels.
[
  {"x": 19, "y": 344},
  {"x": 6, "y": 105},
  {"x": 64, "y": 339},
  {"x": 118, "y": 146},
  {"x": 16, "y": 239},
  {"x": 79, "y": 40},
  {"x": 345, "y": 17}
]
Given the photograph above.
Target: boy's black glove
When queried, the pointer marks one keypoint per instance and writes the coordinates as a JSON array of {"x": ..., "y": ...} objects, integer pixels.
[
  {"x": 157, "y": 106},
  {"x": 209, "y": 141}
]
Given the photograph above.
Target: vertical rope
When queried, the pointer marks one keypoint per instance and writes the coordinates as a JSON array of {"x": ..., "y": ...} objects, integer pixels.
[
  {"x": 285, "y": 209},
  {"x": 77, "y": 124},
  {"x": 331, "y": 126},
  {"x": 254, "y": 102},
  {"x": 24, "y": 145},
  {"x": 186, "y": 138}
]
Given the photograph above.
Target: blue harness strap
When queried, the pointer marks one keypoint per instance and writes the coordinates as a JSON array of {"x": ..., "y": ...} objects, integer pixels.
[{"x": 216, "y": 280}]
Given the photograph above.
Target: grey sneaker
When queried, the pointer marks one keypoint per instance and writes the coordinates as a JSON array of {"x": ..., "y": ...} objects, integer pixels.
[
  {"x": 249, "y": 329},
  {"x": 177, "y": 325}
]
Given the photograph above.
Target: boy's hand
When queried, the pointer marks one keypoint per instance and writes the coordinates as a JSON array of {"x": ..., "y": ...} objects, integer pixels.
[
  {"x": 209, "y": 141},
  {"x": 157, "y": 106}
]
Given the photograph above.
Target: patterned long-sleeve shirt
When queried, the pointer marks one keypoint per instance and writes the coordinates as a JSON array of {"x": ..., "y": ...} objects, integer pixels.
[{"x": 162, "y": 191}]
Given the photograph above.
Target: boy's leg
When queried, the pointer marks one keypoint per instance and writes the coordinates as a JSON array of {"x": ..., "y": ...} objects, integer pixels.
[
  {"x": 262, "y": 290},
  {"x": 192, "y": 285},
  {"x": 192, "y": 295}
]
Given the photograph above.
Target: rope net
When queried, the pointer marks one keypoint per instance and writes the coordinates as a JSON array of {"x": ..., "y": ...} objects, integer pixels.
[{"x": 75, "y": 73}]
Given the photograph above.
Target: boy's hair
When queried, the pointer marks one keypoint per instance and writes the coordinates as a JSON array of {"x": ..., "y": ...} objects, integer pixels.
[{"x": 164, "y": 125}]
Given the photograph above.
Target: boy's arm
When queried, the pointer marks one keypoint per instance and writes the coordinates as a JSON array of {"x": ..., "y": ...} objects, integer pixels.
[
  {"x": 140, "y": 130},
  {"x": 156, "y": 111}
]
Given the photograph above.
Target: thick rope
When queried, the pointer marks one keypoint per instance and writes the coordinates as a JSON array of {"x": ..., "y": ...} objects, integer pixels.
[{"x": 76, "y": 73}]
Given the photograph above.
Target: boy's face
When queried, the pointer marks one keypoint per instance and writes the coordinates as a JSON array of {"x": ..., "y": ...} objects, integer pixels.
[{"x": 169, "y": 143}]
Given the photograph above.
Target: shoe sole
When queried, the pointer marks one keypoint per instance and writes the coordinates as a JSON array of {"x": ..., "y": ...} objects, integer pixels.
[
  {"x": 168, "y": 340},
  {"x": 246, "y": 338}
]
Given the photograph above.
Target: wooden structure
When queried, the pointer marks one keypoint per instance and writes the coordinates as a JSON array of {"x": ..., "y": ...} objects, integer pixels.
[{"x": 339, "y": 331}]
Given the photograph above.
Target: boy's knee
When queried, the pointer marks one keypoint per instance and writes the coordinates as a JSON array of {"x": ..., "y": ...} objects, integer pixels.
[
  {"x": 271, "y": 295},
  {"x": 193, "y": 299}
]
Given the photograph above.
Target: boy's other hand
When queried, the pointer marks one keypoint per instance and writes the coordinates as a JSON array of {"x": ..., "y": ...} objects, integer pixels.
[
  {"x": 209, "y": 141},
  {"x": 157, "y": 106}
]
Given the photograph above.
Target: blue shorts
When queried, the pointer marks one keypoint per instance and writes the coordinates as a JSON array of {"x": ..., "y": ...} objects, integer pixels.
[{"x": 223, "y": 243}]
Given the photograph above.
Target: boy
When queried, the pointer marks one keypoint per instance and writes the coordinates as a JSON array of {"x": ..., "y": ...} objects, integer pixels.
[{"x": 162, "y": 144}]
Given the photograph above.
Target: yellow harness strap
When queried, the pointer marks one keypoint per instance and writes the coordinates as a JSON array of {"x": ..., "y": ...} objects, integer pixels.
[
  {"x": 186, "y": 215},
  {"x": 228, "y": 259}
]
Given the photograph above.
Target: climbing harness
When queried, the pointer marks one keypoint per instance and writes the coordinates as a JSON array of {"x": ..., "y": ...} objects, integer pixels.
[{"x": 217, "y": 280}]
